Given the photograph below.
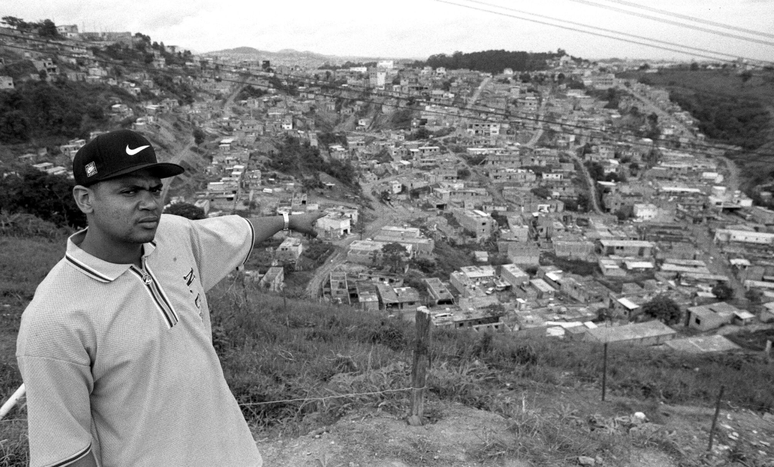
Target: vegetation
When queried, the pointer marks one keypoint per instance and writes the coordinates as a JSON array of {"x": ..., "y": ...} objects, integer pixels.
[
  {"x": 285, "y": 363},
  {"x": 250, "y": 91},
  {"x": 491, "y": 61},
  {"x": 663, "y": 309},
  {"x": 45, "y": 28},
  {"x": 301, "y": 159},
  {"x": 723, "y": 291},
  {"x": 186, "y": 210},
  {"x": 742, "y": 122},
  {"x": 730, "y": 107},
  {"x": 60, "y": 108},
  {"x": 48, "y": 197}
]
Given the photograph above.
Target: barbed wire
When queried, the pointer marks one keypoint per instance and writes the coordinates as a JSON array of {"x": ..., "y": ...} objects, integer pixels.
[{"x": 323, "y": 398}]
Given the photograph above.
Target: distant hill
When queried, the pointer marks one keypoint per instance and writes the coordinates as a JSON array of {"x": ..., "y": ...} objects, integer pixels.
[{"x": 288, "y": 56}]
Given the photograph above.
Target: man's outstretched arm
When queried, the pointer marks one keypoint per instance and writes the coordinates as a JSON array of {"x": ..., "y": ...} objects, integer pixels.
[{"x": 265, "y": 227}]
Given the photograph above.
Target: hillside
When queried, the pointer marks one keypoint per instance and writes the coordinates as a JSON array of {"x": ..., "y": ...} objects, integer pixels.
[
  {"x": 732, "y": 107},
  {"x": 329, "y": 385}
]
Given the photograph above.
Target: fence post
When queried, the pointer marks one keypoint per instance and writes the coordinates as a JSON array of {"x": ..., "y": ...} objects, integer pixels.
[
  {"x": 715, "y": 418},
  {"x": 419, "y": 370},
  {"x": 604, "y": 373}
]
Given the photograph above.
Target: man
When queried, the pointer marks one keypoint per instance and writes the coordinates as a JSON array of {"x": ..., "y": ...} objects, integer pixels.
[{"x": 115, "y": 348}]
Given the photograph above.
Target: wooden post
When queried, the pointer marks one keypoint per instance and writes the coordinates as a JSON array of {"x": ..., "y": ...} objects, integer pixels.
[
  {"x": 604, "y": 373},
  {"x": 715, "y": 418},
  {"x": 767, "y": 351},
  {"x": 419, "y": 370}
]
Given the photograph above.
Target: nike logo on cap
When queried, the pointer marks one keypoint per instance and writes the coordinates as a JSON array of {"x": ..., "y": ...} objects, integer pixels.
[{"x": 134, "y": 151}]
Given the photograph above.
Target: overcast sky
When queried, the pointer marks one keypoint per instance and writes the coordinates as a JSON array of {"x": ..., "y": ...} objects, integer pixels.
[{"x": 418, "y": 28}]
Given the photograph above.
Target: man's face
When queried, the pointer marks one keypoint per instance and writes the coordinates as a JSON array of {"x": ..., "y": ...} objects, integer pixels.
[{"x": 126, "y": 210}]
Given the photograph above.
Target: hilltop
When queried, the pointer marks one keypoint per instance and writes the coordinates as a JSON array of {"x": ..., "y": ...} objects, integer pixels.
[{"x": 288, "y": 57}]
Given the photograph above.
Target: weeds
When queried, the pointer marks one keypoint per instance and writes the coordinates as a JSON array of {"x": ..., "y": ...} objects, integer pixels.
[{"x": 295, "y": 366}]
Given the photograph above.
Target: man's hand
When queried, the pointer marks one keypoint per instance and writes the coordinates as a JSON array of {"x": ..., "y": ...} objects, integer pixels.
[{"x": 304, "y": 223}]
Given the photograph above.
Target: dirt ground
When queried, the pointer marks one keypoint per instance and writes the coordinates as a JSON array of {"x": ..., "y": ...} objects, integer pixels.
[{"x": 463, "y": 436}]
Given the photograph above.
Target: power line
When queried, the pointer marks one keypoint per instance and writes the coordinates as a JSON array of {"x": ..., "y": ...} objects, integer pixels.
[
  {"x": 675, "y": 23},
  {"x": 692, "y": 18},
  {"x": 734, "y": 57},
  {"x": 607, "y": 36}
]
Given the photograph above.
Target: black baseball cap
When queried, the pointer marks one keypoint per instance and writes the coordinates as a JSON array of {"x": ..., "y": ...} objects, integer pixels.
[{"x": 118, "y": 153}]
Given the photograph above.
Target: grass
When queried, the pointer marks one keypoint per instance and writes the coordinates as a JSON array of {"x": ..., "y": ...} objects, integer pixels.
[{"x": 303, "y": 366}]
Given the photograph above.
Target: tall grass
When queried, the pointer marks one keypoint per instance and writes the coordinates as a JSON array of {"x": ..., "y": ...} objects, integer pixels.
[
  {"x": 295, "y": 366},
  {"x": 270, "y": 352}
]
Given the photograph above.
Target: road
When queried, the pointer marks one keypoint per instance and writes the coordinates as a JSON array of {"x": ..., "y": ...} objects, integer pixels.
[
  {"x": 715, "y": 259},
  {"x": 541, "y": 112},
  {"x": 477, "y": 93},
  {"x": 383, "y": 215},
  {"x": 664, "y": 117},
  {"x": 589, "y": 181}
]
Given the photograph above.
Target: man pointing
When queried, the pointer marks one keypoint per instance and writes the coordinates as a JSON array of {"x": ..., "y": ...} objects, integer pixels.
[{"x": 115, "y": 348}]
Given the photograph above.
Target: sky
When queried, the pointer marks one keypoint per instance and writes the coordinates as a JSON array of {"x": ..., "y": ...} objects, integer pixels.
[{"x": 420, "y": 28}]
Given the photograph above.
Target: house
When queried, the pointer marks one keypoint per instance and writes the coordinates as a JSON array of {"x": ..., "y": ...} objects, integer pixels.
[
  {"x": 523, "y": 254},
  {"x": 273, "y": 279},
  {"x": 709, "y": 317},
  {"x": 645, "y": 211},
  {"x": 583, "y": 290},
  {"x": 410, "y": 237},
  {"x": 702, "y": 344},
  {"x": 543, "y": 289},
  {"x": 367, "y": 295},
  {"x": 611, "y": 268},
  {"x": 744, "y": 236},
  {"x": 398, "y": 298},
  {"x": 469, "y": 277},
  {"x": 334, "y": 225},
  {"x": 365, "y": 252},
  {"x": 625, "y": 307},
  {"x": 647, "y": 333},
  {"x": 6, "y": 82},
  {"x": 513, "y": 275},
  {"x": 638, "y": 248},
  {"x": 438, "y": 292},
  {"x": 481, "y": 224},
  {"x": 289, "y": 250},
  {"x": 339, "y": 289}
]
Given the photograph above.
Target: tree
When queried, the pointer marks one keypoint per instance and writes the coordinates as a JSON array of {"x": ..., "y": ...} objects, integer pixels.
[
  {"x": 17, "y": 23},
  {"x": 463, "y": 173},
  {"x": 48, "y": 197},
  {"x": 48, "y": 29},
  {"x": 393, "y": 254},
  {"x": 199, "y": 136},
  {"x": 604, "y": 314},
  {"x": 753, "y": 295},
  {"x": 663, "y": 309},
  {"x": 186, "y": 210},
  {"x": 722, "y": 291}
]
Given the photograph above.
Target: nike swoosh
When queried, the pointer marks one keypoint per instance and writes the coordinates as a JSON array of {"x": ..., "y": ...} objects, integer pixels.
[{"x": 132, "y": 152}]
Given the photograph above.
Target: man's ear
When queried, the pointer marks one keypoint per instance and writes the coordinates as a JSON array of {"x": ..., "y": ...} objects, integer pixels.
[{"x": 84, "y": 197}]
